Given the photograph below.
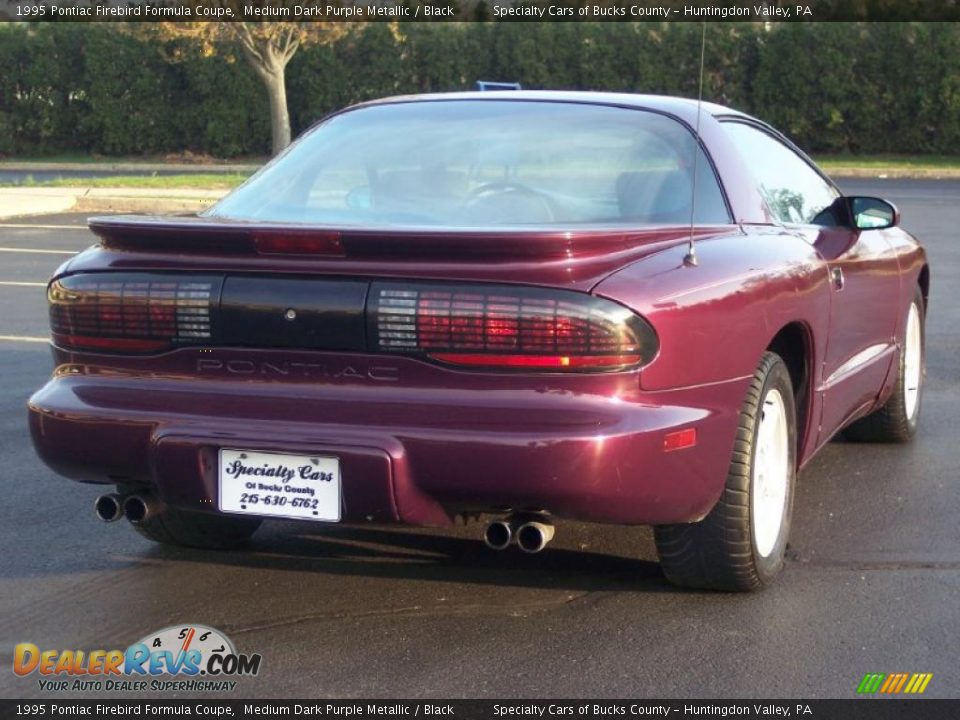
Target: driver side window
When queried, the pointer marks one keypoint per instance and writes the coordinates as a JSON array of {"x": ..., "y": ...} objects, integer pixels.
[{"x": 795, "y": 193}]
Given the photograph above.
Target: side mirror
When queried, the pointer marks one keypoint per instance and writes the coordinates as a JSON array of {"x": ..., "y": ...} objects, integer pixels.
[{"x": 870, "y": 213}]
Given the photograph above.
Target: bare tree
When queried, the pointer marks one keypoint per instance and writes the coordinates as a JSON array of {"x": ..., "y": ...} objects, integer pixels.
[{"x": 268, "y": 47}]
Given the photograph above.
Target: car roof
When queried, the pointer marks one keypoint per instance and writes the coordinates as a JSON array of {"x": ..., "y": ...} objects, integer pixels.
[{"x": 683, "y": 108}]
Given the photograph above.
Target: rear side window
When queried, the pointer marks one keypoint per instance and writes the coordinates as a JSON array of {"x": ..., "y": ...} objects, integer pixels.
[
  {"x": 794, "y": 191},
  {"x": 486, "y": 163}
]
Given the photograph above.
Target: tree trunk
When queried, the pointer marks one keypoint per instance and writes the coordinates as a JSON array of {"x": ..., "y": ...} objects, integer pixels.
[{"x": 275, "y": 83}]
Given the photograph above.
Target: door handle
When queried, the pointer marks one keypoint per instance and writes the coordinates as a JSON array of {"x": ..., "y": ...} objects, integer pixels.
[{"x": 836, "y": 277}]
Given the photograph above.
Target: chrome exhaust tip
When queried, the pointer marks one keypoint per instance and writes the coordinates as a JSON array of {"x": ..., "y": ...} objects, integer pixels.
[
  {"x": 532, "y": 537},
  {"x": 498, "y": 535},
  {"x": 139, "y": 508},
  {"x": 109, "y": 507}
]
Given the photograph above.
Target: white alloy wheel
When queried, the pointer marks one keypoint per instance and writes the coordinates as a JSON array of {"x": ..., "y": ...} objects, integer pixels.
[
  {"x": 912, "y": 362},
  {"x": 896, "y": 420},
  {"x": 771, "y": 473},
  {"x": 741, "y": 544}
]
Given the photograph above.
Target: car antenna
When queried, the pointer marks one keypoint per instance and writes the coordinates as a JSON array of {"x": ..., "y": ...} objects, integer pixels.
[{"x": 690, "y": 259}]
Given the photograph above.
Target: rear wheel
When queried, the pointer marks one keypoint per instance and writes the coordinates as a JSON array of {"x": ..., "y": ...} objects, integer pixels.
[
  {"x": 897, "y": 420},
  {"x": 173, "y": 526},
  {"x": 740, "y": 545}
]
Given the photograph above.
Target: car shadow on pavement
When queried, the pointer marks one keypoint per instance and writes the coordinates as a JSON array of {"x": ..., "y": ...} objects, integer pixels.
[{"x": 388, "y": 553}]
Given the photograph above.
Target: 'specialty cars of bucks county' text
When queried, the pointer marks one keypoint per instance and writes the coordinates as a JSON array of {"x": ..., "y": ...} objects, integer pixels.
[{"x": 518, "y": 307}]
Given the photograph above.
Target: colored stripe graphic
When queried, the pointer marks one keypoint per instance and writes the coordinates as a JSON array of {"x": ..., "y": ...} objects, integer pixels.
[
  {"x": 894, "y": 683},
  {"x": 903, "y": 679},
  {"x": 919, "y": 683}
]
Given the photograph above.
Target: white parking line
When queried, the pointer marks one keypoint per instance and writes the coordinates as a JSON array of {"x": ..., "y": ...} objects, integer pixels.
[
  {"x": 23, "y": 338},
  {"x": 33, "y": 250},
  {"x": 27, "y": 226},
  {"x": 15, "y": 283}
]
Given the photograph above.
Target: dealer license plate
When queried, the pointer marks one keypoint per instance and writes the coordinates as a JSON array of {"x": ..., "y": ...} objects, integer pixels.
[{"x": 301, "y": 487}]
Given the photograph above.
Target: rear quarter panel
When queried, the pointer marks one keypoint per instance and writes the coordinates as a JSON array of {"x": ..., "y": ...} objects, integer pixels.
[{"x": 715, "y": 319}]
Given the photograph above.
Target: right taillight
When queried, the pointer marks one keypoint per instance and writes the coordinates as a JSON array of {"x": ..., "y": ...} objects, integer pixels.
[
  {"x": 131, "y": 312},
  {"x": 504, "y": 327}
]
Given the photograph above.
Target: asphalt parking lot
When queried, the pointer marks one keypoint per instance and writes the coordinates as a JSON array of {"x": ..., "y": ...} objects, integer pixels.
[{"x": 872, "y": 583}]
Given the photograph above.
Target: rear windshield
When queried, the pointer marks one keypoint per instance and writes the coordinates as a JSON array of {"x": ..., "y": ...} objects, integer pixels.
[{"x": 485, "y": 164}]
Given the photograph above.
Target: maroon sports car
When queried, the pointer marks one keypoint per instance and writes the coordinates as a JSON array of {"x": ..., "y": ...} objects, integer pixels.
[{"x": 524, "y": 305}]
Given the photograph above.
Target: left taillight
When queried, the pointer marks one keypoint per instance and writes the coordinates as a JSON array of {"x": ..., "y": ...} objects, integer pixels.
[{"x": 132, "y": 312}]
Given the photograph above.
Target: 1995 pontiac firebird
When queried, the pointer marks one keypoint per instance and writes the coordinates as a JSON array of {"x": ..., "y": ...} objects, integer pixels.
[{"x": 526, "y": 305}]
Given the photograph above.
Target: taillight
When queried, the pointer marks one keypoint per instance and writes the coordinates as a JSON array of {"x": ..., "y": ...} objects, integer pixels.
[
  {"x": 498, "y": 327},
  {"x": 132, "y": 312}
]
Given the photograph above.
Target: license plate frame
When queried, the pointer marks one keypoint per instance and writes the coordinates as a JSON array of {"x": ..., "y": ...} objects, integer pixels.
[{"x": 270, "y": 484}]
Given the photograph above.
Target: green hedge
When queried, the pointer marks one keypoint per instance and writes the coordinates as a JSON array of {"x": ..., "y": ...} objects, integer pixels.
[{"x": 834, "y": 87}]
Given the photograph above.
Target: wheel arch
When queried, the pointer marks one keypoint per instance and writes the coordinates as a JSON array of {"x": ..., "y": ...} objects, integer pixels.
[
  {"x": 923, "y": 280},
  {"x": 793, "y": 342}
]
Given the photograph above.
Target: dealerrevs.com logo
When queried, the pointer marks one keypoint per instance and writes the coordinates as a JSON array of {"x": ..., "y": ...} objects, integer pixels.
[{"x": 198, "y": 657}]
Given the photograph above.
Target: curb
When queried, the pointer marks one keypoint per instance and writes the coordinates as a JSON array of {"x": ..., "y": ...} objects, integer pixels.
[
  {"x": 140, "y": 205},
  {"x": 130, "y": 168},
  {"x": 893, "y": 173},
  {"x": 16, "y": 202}
]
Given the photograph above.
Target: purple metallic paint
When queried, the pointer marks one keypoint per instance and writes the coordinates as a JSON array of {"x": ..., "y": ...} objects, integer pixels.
[
  {"x": 590, "y": 444},
  {"x": 420, "y": 443}
]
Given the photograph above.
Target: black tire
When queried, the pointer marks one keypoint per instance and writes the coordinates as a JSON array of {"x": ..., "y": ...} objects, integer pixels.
[
  {"x": 892, "y": 423},
  {"x": 720, "y": 552},
  {"x": 173, "y": 526}
]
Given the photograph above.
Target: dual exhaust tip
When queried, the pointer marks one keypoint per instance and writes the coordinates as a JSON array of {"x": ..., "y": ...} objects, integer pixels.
[
  {"x": 136, "y": 508},
  {"x": 531, "y": 536}
]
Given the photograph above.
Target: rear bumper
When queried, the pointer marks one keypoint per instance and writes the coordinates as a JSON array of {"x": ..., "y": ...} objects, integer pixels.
[{"x": 411, "y": 454}]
